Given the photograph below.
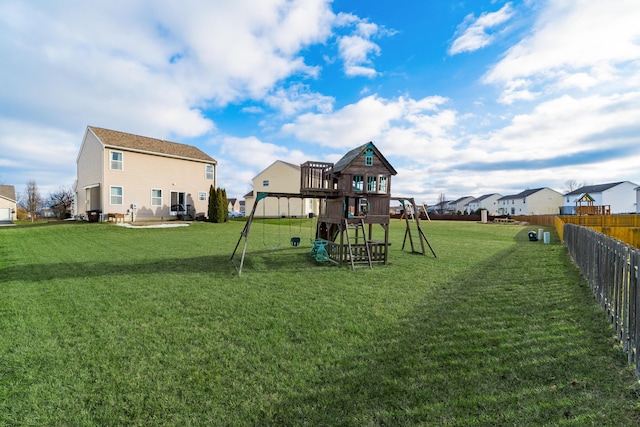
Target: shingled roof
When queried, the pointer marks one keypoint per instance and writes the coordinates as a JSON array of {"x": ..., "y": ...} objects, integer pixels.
[
  {"x": 128, "y": 141},
  {"x": 351, "y": 155},
  {"x": 593, "y": 188},
  {"x": 8, "y": 192},
  {"x": 522, "y": 195}
]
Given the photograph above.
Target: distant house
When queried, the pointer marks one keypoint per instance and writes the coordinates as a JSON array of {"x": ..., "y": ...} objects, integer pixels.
[
  {"x": 279, "y": 177},
  {"x": 638, "y": 200},
  {"x": 144, "y": 178},
  {"x": 618, "y": 197},
  {"x": 461, "y": 204},
  {"x": 8, "y": 203},
  {"x": 537, "y": 201},
  {"x": 234, "y": 204},
  {"x": 487, "y": 201}
]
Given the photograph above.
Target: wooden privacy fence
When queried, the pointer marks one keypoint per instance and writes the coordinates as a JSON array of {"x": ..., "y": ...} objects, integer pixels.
[
  {"x": 622, "y": 227},
  {"x": 611, "y": 268}
]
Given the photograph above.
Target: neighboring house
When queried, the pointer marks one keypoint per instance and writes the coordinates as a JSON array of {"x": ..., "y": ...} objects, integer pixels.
[
  {"x": 618, "y": 196},
  {"x": 234, "y": 205},
  {"x": 489, "y": 202},
  {"x": 8, "y": 203},
  {"x": 538, "y": 201},
  {"x": 279, "y": 177},
  {"x": 144, "y": 178},
  {"x": 638, "y": 200},
  {"x": 460, "y": 205}
]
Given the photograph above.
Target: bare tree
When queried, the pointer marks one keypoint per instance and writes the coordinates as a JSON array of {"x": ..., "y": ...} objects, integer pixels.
[
  {"x": 571, "y": 185},
  {"x": 32, "y": 201},
  {"x": 61, "y": 201},
  {"x": 442, "y": 201}
]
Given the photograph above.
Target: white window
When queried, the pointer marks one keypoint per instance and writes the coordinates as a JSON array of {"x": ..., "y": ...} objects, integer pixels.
[
  {"x": 382, "y": 184},
  {"x": 116, "y": 195},
  {"x": 156, "y": 197},
  {"x": 208, "y": 172},
  {"x": 116, "y": 161},
  {"x": 202, "y": 196},
  {"x": 265, "y": 183},
  {"x": 372, "y": 182}
]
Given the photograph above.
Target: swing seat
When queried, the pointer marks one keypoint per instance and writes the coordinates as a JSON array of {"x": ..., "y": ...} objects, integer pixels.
[
  {"x": 319, "y": 250},
  {"x": 295, "y": 241}
]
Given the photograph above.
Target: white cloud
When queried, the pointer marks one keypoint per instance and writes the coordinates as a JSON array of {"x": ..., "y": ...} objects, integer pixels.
[
  {"x": 297, "y": 98},
  {"x": 357, "y": 48},
  {"x": 564, "y": 127},
  {"x": 141, "y": 67},
  {"x": 579, "y": 43},
  {"x": 474, "y": 32},
  {"x": 417, "y": 130}
]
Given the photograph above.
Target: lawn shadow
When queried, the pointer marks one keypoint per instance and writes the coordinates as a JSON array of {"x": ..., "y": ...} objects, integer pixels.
[
  {"x": 508, "y": 342},
  {"x": 72, "y": 270},
  {"x": 287, "y": 259}
]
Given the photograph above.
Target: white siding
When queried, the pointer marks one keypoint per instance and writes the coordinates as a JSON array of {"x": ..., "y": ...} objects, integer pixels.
[
  {"x": 620, "y": 198},
  {"x": 281, "y": 177},
  {"x": 89, "y": 173},
  {"x": 144, "y": 172}
]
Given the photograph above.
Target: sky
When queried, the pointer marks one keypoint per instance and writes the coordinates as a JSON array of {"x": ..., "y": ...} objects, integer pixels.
[{"x": 463, "y": 98}]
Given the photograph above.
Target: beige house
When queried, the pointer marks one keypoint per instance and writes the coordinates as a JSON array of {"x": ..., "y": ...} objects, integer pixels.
[
  {"x": 537, "y": 201},
  {"x": 284, "y": 178},
  {"x": 143, "y": 178},
  {"x": 8, "y": 203}
]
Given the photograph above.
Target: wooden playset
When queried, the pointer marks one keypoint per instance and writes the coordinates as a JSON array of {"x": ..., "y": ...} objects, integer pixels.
[{"x": 355, "y": 199}]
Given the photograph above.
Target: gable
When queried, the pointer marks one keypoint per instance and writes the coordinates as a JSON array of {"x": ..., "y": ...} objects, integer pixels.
[
  {"x": 8, "y": 192},
  {"x": 279, "y": 168},
  {"x": 358, "y": 153}
]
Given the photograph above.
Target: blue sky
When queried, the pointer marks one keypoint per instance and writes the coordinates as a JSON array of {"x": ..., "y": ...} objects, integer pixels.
[{"x": 462, "y": 97}]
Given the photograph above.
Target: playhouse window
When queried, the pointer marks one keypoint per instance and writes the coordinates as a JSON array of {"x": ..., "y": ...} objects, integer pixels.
[
  {"x": 368, "y": 157},
  {"x": 358, "y": 183},
  {"x": 371, "y": 184},
  {"x": 382, "y": 187}
]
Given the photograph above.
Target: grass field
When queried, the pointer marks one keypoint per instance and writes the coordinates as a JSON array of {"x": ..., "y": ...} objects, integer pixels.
[{"x": 105, "y": 325}]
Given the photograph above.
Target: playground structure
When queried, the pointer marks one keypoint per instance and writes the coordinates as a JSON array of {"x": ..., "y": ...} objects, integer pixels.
[
  {"x": 585, "y": 205},
  {"x": 355, "y": 197}
]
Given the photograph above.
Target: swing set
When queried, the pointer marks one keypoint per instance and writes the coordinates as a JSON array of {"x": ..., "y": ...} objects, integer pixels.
[
  {"x": 294, "y": 240},
  {"x": 355, "y": 196}
]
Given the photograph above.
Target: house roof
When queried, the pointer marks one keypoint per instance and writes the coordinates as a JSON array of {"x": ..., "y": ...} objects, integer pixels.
[
  {"x": 8, "y": 192},
  {"x": 522, "y": 195},
  {"x": 486, "y": 196},
  {"x": 128, "y": 141},
  {"x": 465, "y": 199},
  {"x": 599, "y": 188},
  {"x": 351, "y": 155}
]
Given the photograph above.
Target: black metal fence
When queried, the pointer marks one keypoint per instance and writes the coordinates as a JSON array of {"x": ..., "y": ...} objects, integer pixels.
[{"x": 611, "y": 268}]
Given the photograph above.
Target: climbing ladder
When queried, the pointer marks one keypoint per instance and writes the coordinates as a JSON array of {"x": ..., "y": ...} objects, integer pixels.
[{"x": 359, "y": 251}]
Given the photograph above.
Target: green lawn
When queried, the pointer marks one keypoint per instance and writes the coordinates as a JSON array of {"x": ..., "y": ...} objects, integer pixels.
[{"x": 105, "y": 325}]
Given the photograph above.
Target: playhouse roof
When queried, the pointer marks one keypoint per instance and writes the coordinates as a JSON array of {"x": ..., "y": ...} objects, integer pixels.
[{"x": 351, "y": 156}]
